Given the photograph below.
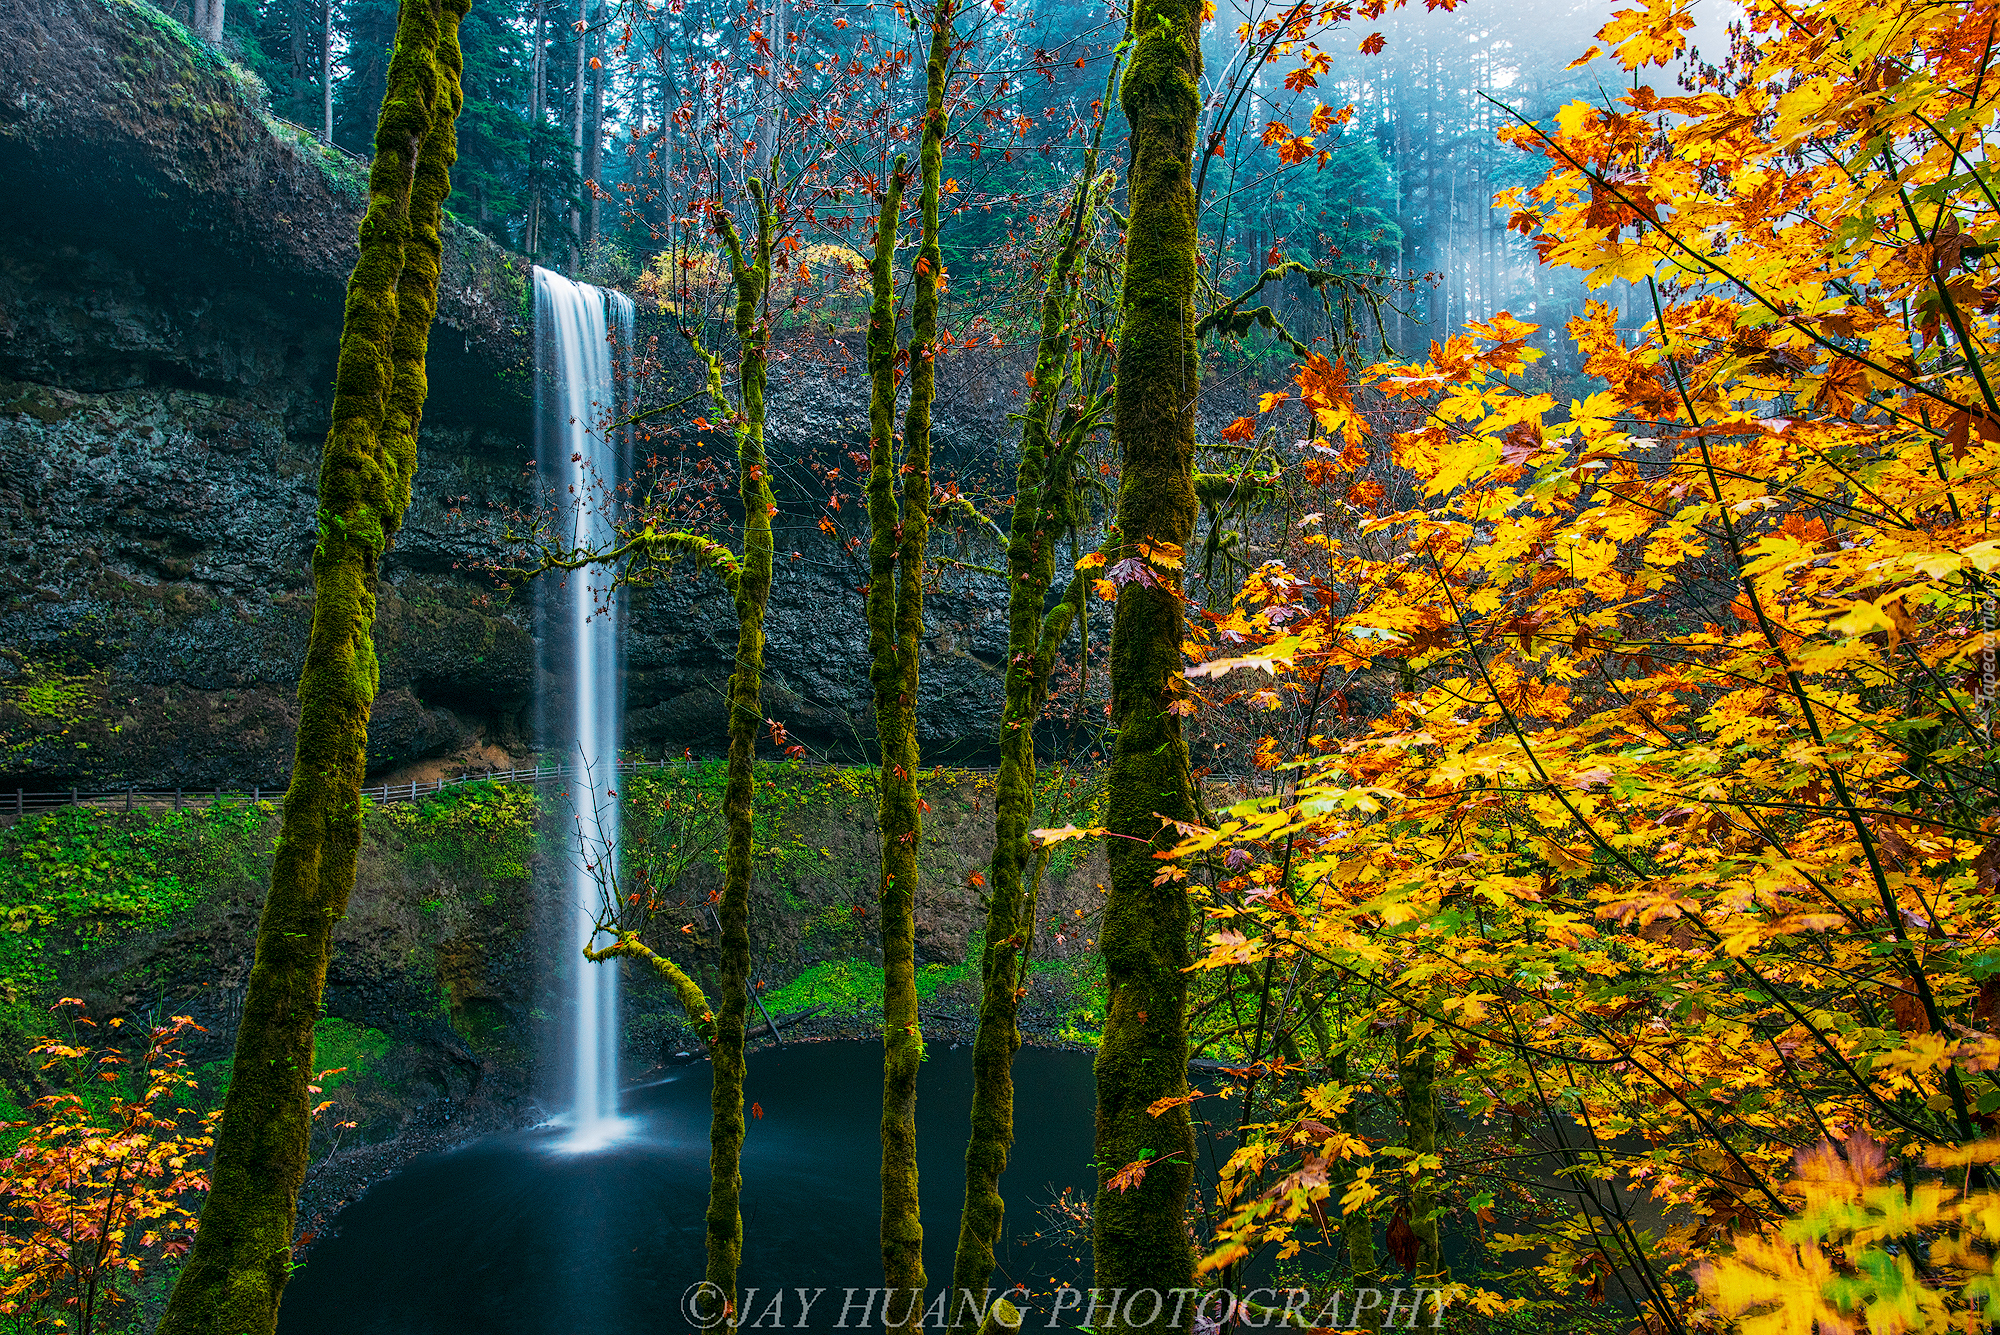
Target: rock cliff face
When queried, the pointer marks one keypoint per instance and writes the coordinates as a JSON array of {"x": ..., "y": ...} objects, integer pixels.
[{"x": 172, "y": 263}]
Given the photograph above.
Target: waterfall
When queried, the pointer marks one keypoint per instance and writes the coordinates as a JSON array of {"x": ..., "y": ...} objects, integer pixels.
[{"x": 582, "y": 460}]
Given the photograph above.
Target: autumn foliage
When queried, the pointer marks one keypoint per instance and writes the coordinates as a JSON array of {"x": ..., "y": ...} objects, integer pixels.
[
  {"x": 1677, "y": 843},
  {"x": 100, "y": 1189}
]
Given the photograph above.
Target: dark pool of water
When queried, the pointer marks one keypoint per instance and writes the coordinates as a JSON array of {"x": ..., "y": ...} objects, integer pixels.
[{"x": 513, "y": 1235}]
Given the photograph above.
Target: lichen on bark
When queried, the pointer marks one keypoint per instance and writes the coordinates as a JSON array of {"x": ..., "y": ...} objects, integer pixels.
[
  {"x": 1139, "y": 1235},
  {"x": 242, "y": 1255}
]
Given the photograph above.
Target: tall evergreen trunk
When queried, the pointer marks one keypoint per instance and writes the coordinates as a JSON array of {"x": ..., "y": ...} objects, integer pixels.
[
  {"x": 751, "y": 276},
  {"x": 1139, "y": 1232},
  {"x": 593, "y": 152},
  {"x": 531, "y": 234},
  {"x": 899, "y": 536},
  {"x": 326, "y": 71},
  {"x": 579, "y": 90},
  {"x": 1044, "y": 507},
  {"x": 242, "y": 1252}
]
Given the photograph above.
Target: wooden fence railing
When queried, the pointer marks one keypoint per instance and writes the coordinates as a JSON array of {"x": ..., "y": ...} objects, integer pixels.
[{"x": 23, "y": 802}]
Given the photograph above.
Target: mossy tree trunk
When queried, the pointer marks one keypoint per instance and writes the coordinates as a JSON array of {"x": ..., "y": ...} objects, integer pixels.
[
  {"x": 1416, "y": 1063},
  {"x": 751, "y": 275},
  {"x": 899, "y": 537},
  {"x": 1139, "y": 1233},
  {"x": 1357, "y": 1227},
  {"x": 242, "y": 1255},
  {"x": 1045, "y": 508}
]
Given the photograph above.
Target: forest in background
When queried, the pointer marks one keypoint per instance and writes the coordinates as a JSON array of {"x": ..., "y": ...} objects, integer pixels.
[{"x": 568, "y": 142}]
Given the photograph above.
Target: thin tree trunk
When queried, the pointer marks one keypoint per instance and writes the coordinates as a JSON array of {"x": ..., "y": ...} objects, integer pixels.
[
  {"x": 1139, "y": 1231},
  {"x": 577, "y": 95},
  {"x": 1357, "y": 1230},
  {"x": 898, "y": 540},
  {"x": 531, "y": 236},
  {"x": 771, "y": 92},
  {"x": 593, "y": 150},
  {"x": 1044, "y": 505},
  {"x": 298, "y": 18},
  {"x": 1416, "y": 1061},
  {"x": 241, "y": 1257},
  {"x": 326, "y": 71},
  {"x": 752, "y": 279}
]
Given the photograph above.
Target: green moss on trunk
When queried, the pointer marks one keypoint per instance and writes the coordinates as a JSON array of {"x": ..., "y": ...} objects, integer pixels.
[
  {"x": 1416, "y": 1063},
  {"x": 1140, "y": 1236},
  {"x": 1044, "y": 506},
  {"x": 241, "y": 1258},
  {"x": 899, "y": 538},
  {"x": 751, "y": 276}
]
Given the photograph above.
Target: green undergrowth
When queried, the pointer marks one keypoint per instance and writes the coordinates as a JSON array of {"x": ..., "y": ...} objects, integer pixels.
[
  {"x": 657, "y": 804},
  {"x": 852, "y": 989},
  {"x": 486, "y": 829},
  {"x": 79, "y": 877},
  {"x": 343, "y": 1050},
  {"x": 1081, "y": 980}
]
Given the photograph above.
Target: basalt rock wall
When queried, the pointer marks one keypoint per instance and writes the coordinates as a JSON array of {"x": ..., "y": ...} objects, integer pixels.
[{"x": 172, "y": 264}]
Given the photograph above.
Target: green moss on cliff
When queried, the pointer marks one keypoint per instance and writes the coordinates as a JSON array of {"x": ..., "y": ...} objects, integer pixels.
[
  {"x": 485, "y": 831},
  {"x": 81, "y": 878}
]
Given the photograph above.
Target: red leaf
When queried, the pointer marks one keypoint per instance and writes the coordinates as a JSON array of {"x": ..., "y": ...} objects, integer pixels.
[{"x": 1403, "y": 1240}]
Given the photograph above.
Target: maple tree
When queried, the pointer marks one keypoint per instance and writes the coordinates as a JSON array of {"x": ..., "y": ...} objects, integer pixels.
[
  {"x": 1678, "y": 838},
  {"x": 99, "y": 1189}
]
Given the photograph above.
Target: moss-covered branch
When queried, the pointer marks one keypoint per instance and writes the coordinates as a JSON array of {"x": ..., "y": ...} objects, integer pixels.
[
  {"x": 637, "y": 559},
  {"x": 242, "y": 1254},
  {"x": 1235, "y": 317},
  {"x": 628, "y": 945}
]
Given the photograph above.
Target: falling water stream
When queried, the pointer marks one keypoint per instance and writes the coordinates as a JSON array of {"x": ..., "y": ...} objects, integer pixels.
[{"x": 576, "y": 326}]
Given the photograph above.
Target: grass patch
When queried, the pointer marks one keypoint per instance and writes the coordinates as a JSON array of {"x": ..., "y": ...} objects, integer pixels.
[{"x": 1083, "y": 979}]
